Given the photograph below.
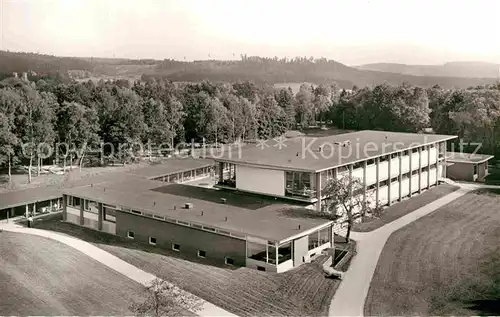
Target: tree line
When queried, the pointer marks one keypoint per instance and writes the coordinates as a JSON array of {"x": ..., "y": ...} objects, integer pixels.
[{"x": 158, "y": 111}]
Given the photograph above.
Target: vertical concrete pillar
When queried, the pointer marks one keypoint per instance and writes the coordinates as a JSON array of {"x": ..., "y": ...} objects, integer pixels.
[
  {"x": 445, "y": 174},
  {"x": 428, "y": 166},
  {"x": 364, "y": 183},
  {"x": 350, "y": 177},
  {"x": 11, "y": 212},
  {"x": 389, "y": 180},
  {"x": 410, "y": 152},
  {"x": 400, "y": 177},
  {"x": 100, "y": 215},
  {"x": 26, "y": 214},
  {"x": 332, "y": 236},
  {"x": 438, "y": 150},
  {"x": 276, "y": 246},
  {"x": 419, "y": 169},
  {"x": 163, "y": 179},
  {"x": 377, "y": 194},
  {"x": 50, "y": 205},
  {"x": 221, "y": 172},
  {"x": 65, "y": 207},
  {"x": 318, "y": 191},
  {"x": 81, "y": 212}
]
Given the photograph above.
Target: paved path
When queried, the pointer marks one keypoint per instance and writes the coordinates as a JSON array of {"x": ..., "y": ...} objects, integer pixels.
[
  {"x": 349, "y": 300},
  {"x": 109, "y": 260}
]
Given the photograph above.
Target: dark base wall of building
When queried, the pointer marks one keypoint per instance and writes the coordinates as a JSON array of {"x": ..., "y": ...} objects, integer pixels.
[{"x": 190, "y": 240}]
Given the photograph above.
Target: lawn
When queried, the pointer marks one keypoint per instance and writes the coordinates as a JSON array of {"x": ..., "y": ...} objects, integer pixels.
[
  {"x": 41, "y": 277},
  {"x": 245, "y": 292},
  {"x": 404, "y": 207},
  {"x": 446, "y": 263}
]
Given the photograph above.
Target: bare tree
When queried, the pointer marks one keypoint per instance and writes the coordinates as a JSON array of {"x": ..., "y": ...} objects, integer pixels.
[
  {"x": 345, "y": 199},
  {"x": 166, "y": 299}
]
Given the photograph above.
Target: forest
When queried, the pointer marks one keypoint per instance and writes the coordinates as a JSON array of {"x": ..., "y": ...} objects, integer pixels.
[{"x": 158, "y": 111}]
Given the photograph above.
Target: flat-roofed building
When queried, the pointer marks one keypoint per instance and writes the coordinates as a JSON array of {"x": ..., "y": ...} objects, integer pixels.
[
  {"x": 390, "y": 165},
  {"x": 467, "y": 167},
  {"x": 241, "y": 230}
]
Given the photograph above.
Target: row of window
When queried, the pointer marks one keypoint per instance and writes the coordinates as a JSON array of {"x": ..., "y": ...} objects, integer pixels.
[
  {"x": 186, "y": 223},
  {"x": 177, "y": 247},
  {"x": 395, "y": 179}
]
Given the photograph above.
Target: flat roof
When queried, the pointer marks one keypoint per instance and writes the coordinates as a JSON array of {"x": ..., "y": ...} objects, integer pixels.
[
  {"x": 28, "y": 196},
  {"x": 460, "y": 157},
  {"x": 251, "y": 215},
  {"x": 303, "y": 154},
  {"x": 172, "y": 166}
]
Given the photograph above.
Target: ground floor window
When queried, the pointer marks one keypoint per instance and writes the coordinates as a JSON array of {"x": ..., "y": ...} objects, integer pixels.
[
  {"x": 130, "y": 234},
  {"x": 475, "y": 168},
  {"x": 176, "y": 247},
  {"x": 229, "y": 261},
  {"x": 261, "y": 268},
  {"x": 202, "y": 254},
  {"x": 284, "y": 252},
  {"x": 152, "y": 240}
]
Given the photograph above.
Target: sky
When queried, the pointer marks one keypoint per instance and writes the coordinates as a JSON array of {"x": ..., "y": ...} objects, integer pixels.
[{"x": 353, "y": 32}]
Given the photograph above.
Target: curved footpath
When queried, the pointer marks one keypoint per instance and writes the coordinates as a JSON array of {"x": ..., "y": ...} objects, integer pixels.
[
  {"x": 110, "y": 261},
  {"x": 349, "y": 299}
]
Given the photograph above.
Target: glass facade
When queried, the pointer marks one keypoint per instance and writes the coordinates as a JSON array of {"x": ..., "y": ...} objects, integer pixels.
[{"x": 300, "y": 184}]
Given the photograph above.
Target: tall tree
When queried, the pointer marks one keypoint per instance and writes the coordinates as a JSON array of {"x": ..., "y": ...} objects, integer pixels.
[
  {"x": 78, "y": 127},
  {"x": 10, "y": 102},
  {"x": 304, "y": 105},
  {"x": 37, "y": 117},
  {"x": 345, "y": 201}
]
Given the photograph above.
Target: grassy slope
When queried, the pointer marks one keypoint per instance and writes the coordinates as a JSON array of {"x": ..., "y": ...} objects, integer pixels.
[
  {"x": 405, "y": 207},
  {"x": 436, "y": 265},
  {"x": 246, "y": 292},
  {"x": 43, "y": 277}
]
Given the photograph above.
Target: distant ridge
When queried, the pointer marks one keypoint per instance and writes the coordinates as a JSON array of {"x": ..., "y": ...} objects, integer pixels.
[
  {"x": 257, "y": 69},
  {"x": 465, "y": 69}
]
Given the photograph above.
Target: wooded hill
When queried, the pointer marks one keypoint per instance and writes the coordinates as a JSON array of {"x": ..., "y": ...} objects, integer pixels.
[{"x": 257, "y": 69}]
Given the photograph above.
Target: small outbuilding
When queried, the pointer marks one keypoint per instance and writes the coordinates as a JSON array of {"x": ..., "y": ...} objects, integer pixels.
[{"x": 467, "y": 167}]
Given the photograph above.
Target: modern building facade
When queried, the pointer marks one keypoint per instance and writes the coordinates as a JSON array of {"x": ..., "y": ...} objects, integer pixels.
[
  {"x": 391, "y": 166},
  {"x": 220, "y": 226}
]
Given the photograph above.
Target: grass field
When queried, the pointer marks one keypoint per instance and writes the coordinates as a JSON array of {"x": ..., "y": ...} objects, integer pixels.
[
  {"x": 446, "y": 263},
  {"x": 404, "y": 207},
  {"x": 245, "y": 292},
  {"x": 41, "y": 277}
]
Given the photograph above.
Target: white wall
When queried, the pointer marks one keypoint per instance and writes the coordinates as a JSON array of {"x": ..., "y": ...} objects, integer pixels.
[
  {"x": 383, "y": 195},
  {"x": 358, "y": 173},
  {"x": 433, "y": 155},
  {"x": 285, "y": 266},
  {"x": 383, "y": 170},
  {"x": 108, "y": 227},
  {"x": 425, "y": 162},
  {"x": 394, "y": 167},
  {"x": 394, "y": 191},
  {"x": 371, "y": 174},
  {"x": 259, "y": 180},
  {"x": 73, "y": 211},
  {"x": 405, "y": 164},
  {"x": 414, "y": 183}
]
